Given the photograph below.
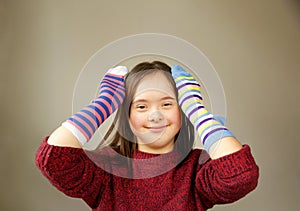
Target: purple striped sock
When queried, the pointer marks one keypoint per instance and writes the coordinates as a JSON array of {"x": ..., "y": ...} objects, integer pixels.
[{"x": 209, "y": 129}]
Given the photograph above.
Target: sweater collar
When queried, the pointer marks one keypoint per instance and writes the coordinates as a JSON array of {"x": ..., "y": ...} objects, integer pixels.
[
  {"x": 147, "y": 165},
  {"x": 141, "y": 166}
]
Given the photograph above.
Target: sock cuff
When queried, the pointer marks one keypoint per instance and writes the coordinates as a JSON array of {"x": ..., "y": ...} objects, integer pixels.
[
  {"x": 216, "y": 136},
  {"x": 80, "y": 137}
]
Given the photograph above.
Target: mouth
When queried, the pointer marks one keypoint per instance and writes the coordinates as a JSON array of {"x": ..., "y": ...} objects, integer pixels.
[{"x": 157, "y": 129}]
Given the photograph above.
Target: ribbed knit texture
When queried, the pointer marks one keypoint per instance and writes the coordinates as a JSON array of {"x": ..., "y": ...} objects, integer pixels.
[
  {"x": 191, "y": 102},
  {"x": 197, "y": 183},
  {"x": 84, "y": 123}
]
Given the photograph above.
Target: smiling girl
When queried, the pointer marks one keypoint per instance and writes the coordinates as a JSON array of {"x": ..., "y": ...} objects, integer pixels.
[{"x": 158, "y": 108}]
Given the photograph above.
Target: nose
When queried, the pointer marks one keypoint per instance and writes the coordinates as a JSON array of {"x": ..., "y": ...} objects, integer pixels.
[{"x": 155, "y": 116}]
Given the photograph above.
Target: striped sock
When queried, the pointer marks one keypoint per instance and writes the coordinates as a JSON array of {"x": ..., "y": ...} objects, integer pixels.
[
  {"x": 112, "y": 92},
  {"x": 190, "y": 100}
]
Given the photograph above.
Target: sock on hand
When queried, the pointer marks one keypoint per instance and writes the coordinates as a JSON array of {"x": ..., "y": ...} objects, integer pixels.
[
  {"x": 84, "y": 123},
  {"x": 190, "y": 100}
]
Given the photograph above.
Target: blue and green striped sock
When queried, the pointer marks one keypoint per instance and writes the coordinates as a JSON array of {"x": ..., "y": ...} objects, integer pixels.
[{"x": 191, "y": 102}]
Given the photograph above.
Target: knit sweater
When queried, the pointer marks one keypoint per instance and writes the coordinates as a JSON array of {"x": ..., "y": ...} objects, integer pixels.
[{"x": 196, "y": 183}]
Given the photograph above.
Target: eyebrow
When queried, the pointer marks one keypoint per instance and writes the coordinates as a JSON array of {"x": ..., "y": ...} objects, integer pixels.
[{"x": 144, "y": 100}]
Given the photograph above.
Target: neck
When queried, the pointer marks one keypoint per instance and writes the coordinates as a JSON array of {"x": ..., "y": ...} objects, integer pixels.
[{"x": 151, "y": 148}]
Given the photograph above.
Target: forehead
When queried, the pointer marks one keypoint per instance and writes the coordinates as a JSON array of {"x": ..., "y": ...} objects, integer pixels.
[{"x": 156, "y": 81}]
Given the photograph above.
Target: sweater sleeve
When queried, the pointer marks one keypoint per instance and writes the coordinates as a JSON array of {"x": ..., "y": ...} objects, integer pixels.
[
  {"x": 227, "y": 179},
  {"x": 71, "y": 171}
]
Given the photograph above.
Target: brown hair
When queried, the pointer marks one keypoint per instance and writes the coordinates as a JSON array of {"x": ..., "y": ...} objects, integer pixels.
[{"x": 123, "y": 138}]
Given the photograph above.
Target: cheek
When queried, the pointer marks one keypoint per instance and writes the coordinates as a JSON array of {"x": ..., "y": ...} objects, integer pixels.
[
  {"x": 179, "y": 123},
  {"x": 175, "y": 118},
  {"x": 135, "y": 121}
]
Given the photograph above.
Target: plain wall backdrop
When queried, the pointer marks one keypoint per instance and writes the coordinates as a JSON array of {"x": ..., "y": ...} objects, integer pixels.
[{"x": 253, "y": 45}]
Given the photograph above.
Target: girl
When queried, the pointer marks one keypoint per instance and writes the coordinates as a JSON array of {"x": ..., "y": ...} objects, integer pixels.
[{"x": 150, "y": 163}]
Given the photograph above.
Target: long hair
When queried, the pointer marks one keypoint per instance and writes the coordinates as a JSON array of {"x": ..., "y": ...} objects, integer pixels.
[{"x": 123, "y": 139}]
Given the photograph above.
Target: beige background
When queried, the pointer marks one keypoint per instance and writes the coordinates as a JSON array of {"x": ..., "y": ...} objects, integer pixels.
[{"x": 254, "y": 46}]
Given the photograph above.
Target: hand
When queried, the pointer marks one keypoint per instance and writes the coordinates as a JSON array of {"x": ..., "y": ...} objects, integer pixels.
[
  {"x": 84, "y": 123},
  {"x": 191, "y": 102},
  {"x": 112, "y": 86}
]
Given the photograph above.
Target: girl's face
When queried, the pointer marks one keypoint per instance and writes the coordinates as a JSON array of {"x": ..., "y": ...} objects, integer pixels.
[{"x": 155, "y": 116}]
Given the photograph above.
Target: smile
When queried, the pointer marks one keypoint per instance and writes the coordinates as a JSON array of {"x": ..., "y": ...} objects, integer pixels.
[{"x": 156, "y": 128}]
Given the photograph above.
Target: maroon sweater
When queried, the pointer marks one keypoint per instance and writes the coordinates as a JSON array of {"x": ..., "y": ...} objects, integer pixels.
[{"x": 194, "y": 184}]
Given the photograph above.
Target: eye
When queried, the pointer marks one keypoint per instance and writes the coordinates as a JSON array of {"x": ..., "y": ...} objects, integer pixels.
[
  {"x": 167, "y": 104},
  {"x": 141, "y": 107}
]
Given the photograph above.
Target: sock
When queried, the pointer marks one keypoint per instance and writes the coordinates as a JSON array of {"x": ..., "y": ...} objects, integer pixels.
[
  {"x": 84, "y": 123},
  {"x": 190, "y": 100}
]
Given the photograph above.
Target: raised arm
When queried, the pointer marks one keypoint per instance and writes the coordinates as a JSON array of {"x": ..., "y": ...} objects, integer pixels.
[
  {"x": 79, "y": 128},
  {"x": 218, "y": 141}
]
